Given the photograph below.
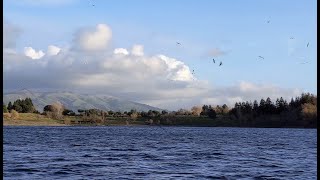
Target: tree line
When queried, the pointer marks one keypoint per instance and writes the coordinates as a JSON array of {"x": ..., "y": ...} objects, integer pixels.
[
  {"x": 301, "y": 111},
  {"x": 21, "y": 106}
]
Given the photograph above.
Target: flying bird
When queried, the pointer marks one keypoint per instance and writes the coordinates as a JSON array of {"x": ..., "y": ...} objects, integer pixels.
[
  {"x": 213, "y": 61},
  {"x": 92, "y": 4},
  {"x": 291, "y": 38},
  {"x": 220, "y": 63},
  {"x": 178, "y": 43},
  {"x": 261, "y": 57},
  {"x": 308, "y": 44},
  {"x": 268, "y": 21}
]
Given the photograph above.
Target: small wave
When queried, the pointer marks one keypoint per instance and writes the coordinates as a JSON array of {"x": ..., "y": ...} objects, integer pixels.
[
  {"x": 87, "y": 155},
  {"x": 112, "y": 159},
  {"x": 61, "y": 173},
  {"x": 59, "y": 159},
  {"x": 24, "y": 170},
  {"x": 76, "y": 145},
  {"x": 132, "y": 149},
  {"x": 140, "y": 174},
  {"x": 264, "y": 177},
  {"x": 270, "y": 165},
  {"x": 77, "y": 165}
]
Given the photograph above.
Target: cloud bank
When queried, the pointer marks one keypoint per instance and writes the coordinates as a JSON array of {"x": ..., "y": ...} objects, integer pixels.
[{"x": 93, "y": 66}]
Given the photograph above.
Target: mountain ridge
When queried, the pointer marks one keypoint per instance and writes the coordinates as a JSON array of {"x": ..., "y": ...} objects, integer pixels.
[{"x": 75, "y": 101}]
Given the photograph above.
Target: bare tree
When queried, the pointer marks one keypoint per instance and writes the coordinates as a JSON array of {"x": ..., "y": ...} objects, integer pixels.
[
  {"x": 309, "y": 110},
  {"x": 134, "y": 115},
  {"x": 57, "y": 109},
  {"x": 196, "y": 110}
]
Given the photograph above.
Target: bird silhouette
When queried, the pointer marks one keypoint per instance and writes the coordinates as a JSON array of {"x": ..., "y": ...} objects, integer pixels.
[
  {"x": 178, "y": 43},
  {"x": 213, "y": 61},
  {"x": 261, "y": 57},
  {"x": 308, "y": 44},
  {"x": 291, "y": 38},
  {"x": 220, "y": 63}
]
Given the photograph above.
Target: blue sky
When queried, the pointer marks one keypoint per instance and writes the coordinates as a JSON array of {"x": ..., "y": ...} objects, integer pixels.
[{"x": 238, "y": 27}]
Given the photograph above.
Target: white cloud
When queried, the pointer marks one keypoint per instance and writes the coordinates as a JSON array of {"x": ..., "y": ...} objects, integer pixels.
[
  {"x": 157, "y": 80},
  {"x": 186, "y": 97},
  {"x": 247, "y": 91},
  {"x": 137, "y": 50},
  {"x": 53, "y": 50},
  {"x": 33, "y": 54},
  {"x": 121, "y": 51},
  {"x": 94, "y": 40},
  {"x": 177, "y": 70}
]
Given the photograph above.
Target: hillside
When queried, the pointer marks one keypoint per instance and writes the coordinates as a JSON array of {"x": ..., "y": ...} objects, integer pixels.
[{"x": 76, "y": 101}]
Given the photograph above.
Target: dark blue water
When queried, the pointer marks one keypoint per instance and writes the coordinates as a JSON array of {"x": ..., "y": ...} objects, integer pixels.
[{"x": 159, "y": 153}]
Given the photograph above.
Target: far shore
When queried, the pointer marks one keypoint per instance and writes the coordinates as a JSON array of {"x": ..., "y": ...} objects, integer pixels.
[{"x": 32, "y": 119}]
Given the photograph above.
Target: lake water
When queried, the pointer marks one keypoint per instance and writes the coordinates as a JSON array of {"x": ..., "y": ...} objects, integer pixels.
[{"x": 125, "y": 152}]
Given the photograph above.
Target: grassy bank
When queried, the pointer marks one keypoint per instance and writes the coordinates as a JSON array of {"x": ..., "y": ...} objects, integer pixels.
[{"x": 30, "y": 119}]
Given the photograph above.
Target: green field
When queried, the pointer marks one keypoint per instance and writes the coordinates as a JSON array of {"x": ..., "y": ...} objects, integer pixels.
[{"x": 30, "y": 119}]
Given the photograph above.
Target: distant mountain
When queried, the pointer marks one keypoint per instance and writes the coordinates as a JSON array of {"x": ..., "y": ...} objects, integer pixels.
[{"x": 75, "y": 101}]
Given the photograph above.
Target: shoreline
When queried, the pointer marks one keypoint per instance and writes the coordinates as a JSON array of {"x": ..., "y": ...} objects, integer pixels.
[
  {"x": 139, "y": 125},
  {"x": 29, "y": 119}
]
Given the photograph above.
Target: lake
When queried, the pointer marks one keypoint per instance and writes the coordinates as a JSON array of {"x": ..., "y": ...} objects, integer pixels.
[{"x": 134, "y": 152}]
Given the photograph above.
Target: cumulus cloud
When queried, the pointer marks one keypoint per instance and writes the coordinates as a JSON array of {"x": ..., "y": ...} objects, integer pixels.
[
  {"x": 53, "y": 50},
  {"x": 121, "y": 51},
  {"x": 157, "y": 80},
  {"x": 33, "y": 54},
  {"x": 126, "y": 76},
  {"x": 93, "y": 39},
  {"x": 137, "y": 50}
]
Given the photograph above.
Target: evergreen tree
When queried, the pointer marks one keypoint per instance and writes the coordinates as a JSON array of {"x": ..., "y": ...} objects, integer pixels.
[
  {"x": 262, "y": 106},
  {"x": 9, "y": 106},
  {"x": 255, "y": 106},
  {"x": 236, "y": 105},
  {"x": 269, "y": 106},
  {"x": 212, "y": 113},
  {"x": 17, "y": 106}
]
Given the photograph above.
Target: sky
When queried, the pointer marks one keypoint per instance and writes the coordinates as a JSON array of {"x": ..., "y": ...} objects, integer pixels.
[{"x": 129, "y": 49}]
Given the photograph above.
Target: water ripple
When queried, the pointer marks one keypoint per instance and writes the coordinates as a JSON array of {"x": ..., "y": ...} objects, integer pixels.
[{"x": 158, "y": 153}]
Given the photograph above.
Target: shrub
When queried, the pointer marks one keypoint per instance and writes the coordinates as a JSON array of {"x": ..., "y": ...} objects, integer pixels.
[
  {"x": 5, "y": 110},
  {"x": 14, "y": 114}
]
